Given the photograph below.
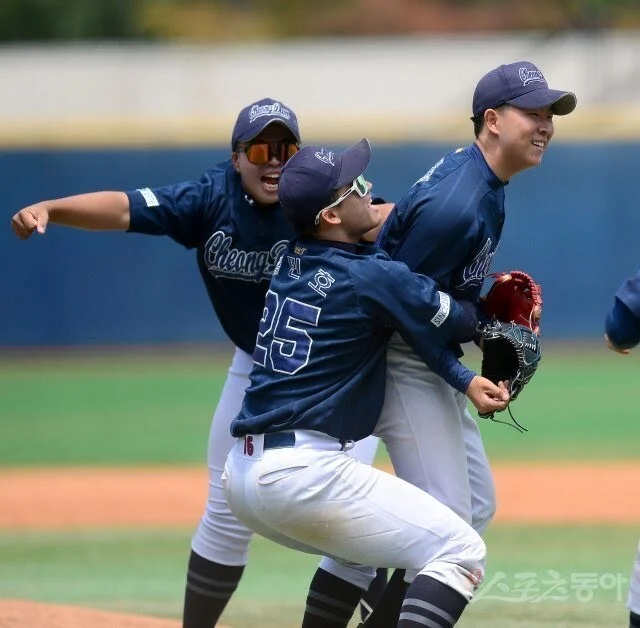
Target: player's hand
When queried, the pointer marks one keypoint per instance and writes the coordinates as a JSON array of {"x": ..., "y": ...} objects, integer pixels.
[
  {"x": 486, "y": 396},
  {"x": 30, "y": 219},
  {"x": 615, "y": 348}
]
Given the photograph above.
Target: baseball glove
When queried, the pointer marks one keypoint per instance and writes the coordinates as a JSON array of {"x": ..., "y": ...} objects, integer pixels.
[
  {"x": 514, "y": 296},
  {"x": 509, "y": 352}
]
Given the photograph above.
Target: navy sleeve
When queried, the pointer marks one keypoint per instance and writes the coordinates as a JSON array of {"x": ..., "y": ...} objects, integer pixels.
[
  {"x": 175, "y": 210},
  {"x": 454, "y": 372},
  {"x": 622, "y": 326},
  {"x": 629, "y": 294},
  {"x": 436, "y": 244},
  {"x": 425, "y": 317}
]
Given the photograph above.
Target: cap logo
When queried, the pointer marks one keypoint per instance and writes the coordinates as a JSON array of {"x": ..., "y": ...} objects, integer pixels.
[
  {"x": 325, "y": 157},
  {"x": 274, "y": 109},
  {"x": 527, "y": 76}
]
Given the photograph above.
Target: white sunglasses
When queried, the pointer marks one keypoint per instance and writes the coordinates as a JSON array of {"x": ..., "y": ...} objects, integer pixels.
[{"x": 359, "y": 186}]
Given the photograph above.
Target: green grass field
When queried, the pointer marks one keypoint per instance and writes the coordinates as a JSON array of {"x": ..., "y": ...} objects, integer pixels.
[
  {"x": 154, "y": 407},
  {"x": 148, "y": 407},
  {"x": 536, "y": 577}
]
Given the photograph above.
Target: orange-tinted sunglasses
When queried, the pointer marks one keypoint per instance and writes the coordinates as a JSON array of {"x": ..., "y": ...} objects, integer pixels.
[{"x": 261, "y": 153}]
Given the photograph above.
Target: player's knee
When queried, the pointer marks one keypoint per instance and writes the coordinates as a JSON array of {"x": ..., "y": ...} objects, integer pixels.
[
  {"x": 468, "y": 552},
  {"x": 461, "y": 564},
  {"x": 220, "y": 537},
  {"x": 474, "y": 557}
]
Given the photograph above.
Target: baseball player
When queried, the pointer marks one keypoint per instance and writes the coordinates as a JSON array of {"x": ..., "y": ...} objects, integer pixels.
[
  {"x": 447, "y": 226},
  {"x": 231, "y": 216},
  {"x": 318, "y": 386},
  {"x": 623, "y": 334}
]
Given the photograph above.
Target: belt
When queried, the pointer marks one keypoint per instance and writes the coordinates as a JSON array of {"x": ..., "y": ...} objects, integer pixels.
[{"x": 275, "y": 440}]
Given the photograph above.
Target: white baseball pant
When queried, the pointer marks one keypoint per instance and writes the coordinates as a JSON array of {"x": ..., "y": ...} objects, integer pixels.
[
  {"x": 433, "y": 441},
  {"x": 220, "y": 537},
  {"x": 313, "y": 497}
]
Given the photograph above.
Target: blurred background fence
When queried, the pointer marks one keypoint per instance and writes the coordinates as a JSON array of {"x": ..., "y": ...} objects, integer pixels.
[{"x": 120, "y": 95}]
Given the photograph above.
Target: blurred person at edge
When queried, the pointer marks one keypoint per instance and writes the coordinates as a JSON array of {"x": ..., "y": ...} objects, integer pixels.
[{"x": 622, "y": 333}]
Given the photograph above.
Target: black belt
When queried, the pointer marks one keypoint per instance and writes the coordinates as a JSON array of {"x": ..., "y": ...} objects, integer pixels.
[{"x": 275, "y": 440}]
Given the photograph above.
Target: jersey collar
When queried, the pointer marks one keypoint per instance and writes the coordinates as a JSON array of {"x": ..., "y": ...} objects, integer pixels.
[
  {"x": 489, "y": 175},
  {"x": 357, "y": 249}
]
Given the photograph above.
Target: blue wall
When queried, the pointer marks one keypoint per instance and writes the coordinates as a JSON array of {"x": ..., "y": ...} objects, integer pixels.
[{"x": 572, "y": 223}]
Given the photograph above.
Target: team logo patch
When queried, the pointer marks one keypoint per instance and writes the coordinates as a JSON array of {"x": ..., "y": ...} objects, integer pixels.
[
  {"x": 224, "y": 260},
  {"x": 528, "y": 76},
  {"x": 274, "y": 109},
  {"x": 474, "y": 273},
  {"x": 325, "y": 156},
  {"x": 294, "y": 266},
  {"x": 445, "y": 307},
  {"x": 321, "y": 282},
  {"x": 427, "y": 176},
  {"x": 150, "y": 198}
]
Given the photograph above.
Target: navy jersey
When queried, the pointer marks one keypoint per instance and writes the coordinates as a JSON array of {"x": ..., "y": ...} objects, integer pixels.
[
  {"x": 449, "y": 223},
  {"x": 320, "y": 356},
  {"x": 238, "y": 241},
  {"x": 623, "y": 321}
]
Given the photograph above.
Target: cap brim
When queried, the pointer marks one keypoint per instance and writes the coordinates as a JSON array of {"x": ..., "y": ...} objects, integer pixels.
[
  {"x": 286, "y": 124},
  {"x": 561, "y": 103},
  {"x": 355, "y": 160}
]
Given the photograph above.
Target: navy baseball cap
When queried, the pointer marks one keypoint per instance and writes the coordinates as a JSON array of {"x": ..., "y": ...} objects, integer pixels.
[
  {"x": 521, "y": 85},
  {"x": 257, "y": 116},
  {"x": 310, "y": 178}
]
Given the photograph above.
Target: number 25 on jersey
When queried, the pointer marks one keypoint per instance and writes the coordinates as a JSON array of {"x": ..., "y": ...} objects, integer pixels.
[{"x": 283, "y": 340}]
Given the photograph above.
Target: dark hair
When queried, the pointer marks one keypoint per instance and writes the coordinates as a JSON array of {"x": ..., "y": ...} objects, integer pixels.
[
  {"x": 335, "y": 195},
  {"x": 304, "y": 228},
  {"x": 309, "y": 228},
  {"x": 478, "y": 121}
]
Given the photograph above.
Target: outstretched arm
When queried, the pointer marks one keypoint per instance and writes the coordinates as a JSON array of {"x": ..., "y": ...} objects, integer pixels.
[{"x": 100, "y": 211}]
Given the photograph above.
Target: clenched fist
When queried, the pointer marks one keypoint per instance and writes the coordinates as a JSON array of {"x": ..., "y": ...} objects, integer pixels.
[{"x": 30, "y": 219}]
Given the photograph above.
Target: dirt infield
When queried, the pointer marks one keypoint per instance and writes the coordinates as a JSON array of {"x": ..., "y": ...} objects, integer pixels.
[
  {"x": 63, "y": 499},
  {"x": 157, "y": 497},
  {"x": 23, "y": 614}
]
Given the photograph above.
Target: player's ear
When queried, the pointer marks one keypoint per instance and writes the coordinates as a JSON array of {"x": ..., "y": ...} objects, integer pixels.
[
  {"x": 491, "y": 119},
  {"x": 331, "y": 216},
  {"x": 234, "y": 161}
]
